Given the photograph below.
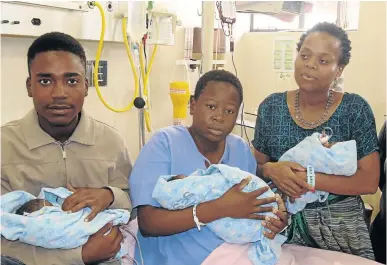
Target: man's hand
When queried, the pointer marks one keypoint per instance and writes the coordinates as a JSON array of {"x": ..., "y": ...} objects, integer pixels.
[
  {"x": 102, "y": 247},
  {"x": 97, "y": 199}
]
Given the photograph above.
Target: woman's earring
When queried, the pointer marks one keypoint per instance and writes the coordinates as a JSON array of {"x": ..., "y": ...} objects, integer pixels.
[{"x": 335, "y": 83}]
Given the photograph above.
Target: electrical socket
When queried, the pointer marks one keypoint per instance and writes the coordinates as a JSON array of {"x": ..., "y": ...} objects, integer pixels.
[{"x": 102, "y": 73}]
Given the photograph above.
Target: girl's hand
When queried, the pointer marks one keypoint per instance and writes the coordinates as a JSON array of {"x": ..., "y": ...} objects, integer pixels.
[
  {"x": 276, "y": 225},
  {"x": 244, "y": 205}
]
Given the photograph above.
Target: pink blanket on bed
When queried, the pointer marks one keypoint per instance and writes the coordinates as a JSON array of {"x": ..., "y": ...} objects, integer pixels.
[
  {"x": 129, "y": 242},
  {"x": 230, "y": 254}
]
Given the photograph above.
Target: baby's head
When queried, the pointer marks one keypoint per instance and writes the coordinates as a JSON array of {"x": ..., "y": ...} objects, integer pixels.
[
  {"x": 32, "y": 206},
  {"x": 177, "y": 177}
]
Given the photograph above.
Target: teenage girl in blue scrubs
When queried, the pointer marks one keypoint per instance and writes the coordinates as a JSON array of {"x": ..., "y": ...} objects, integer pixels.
[{"x": 172, "y": 237}]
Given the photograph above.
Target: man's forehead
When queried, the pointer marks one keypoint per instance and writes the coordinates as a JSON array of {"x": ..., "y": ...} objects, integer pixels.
[
  {"x": 55, "y": 55},
  {"x": 65, "y": 74},
  {"x": 57, "y": 63}
]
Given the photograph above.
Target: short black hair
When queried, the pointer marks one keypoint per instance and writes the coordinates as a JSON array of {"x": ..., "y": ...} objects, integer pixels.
[
  {"x": 55, "y": 41},
  {"x": 30, "y": 206},
  {"x": 220, "y": 76},
  {"x": 335, "y": 31}
]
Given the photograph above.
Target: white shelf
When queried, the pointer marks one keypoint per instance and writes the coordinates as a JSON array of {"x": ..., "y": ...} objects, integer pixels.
[
  {"x": 190, "y": 62},
  {"x": 54, "y": 4}
]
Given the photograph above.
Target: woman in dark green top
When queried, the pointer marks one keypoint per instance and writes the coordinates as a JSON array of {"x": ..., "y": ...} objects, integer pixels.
[{"x": 285, "y": 119}]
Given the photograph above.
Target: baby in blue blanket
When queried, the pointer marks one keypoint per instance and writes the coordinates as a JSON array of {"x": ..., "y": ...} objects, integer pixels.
[
  {"x": 42, "y": 222},
  {"x": 180, "y": 192}
]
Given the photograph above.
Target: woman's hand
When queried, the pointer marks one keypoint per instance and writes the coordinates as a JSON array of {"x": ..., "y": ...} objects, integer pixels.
[
  {"x": 286, "y": 197},
  {"x": 287, "y": 181},
  {"x": 276, "y": 225},
  {"x": 238, "y": 204}
]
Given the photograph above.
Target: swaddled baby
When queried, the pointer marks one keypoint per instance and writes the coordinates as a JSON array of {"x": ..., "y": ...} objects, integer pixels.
[
  {"x": 179, "y": 192},
  {"x": 42, "y": 222},
  {"x": 328, "y": 158}
]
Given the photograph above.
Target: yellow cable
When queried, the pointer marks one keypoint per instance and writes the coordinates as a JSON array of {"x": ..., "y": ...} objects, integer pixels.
[
  {"x": 150, "y": 67},
  {"x": 145, "y": 84},
  {"x": 99, "y": 51},
  {"x": 148, "y": 121},
  {"x": 142, "y": 66},
  {"x": 145, "y": 76}
]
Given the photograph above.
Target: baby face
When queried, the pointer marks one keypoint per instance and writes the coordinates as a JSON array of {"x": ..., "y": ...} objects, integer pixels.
[
  {"x": 329, "y": 145},
  {"x": 47, "y": 203},
  {"x": 32, "y": 206},
  {"x": 177, "y": 177}
]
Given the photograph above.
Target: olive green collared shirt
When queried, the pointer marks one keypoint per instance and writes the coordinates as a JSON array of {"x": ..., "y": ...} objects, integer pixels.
[{"x": 94, "y": 156}]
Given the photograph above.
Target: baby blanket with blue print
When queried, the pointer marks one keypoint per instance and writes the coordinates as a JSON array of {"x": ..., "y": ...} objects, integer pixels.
[
  {"x": 339, "y": 159},
  {"x": 51, "y": 227},
  {"x": 210, "y": 184}
]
